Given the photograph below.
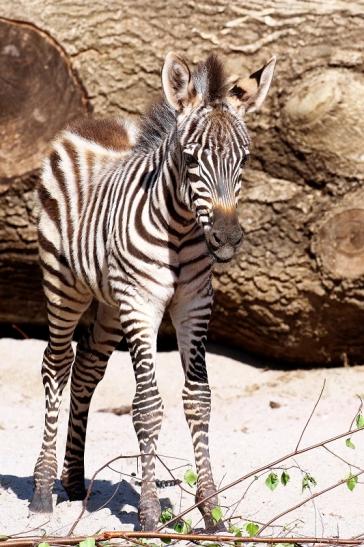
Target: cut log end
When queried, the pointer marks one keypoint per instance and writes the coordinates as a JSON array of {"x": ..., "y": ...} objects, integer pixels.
[
  {"x": 340, "y": 244},
  {"x": 39, "y": 94}
]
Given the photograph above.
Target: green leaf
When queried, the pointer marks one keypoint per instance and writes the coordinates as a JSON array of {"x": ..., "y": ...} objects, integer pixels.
[
  {"x": 285, "y": 478},
  {"x": 190, "y": 478},
  {"x": 360, "y": 420},
  {"x": 252, "y": 528},
  {"x": 308, "y": 481},
  {"x": 349, "y": 443},
  {"x": 43, "y": 544},
  {"x": 233, "y": 529},
  {"x": 166, "y": 540},
  {"x": 351, "y": 482},
  {"x": 216, "y": 514},
  {"x": 166, "y": 515},
  {"x": 272, "y": 481},
  {"x": 88, "y": 542},
  {"x": 183, "y": 527}
]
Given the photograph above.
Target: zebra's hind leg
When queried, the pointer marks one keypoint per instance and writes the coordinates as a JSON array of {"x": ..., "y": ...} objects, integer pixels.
[
  {"x": 65, "y": 306},
  {"x": 93, "y": 352},
  {"x": 190, "y": 317}
]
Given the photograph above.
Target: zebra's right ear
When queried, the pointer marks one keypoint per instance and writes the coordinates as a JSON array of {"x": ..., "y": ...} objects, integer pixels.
[{"x": 177, "y": 82}]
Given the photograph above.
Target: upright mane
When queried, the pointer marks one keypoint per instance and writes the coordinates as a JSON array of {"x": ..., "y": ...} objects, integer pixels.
[
  {"x": 160, "y": 119},
  {"x": 210, "y": 79},
  {"x": 157, "y": 123}
]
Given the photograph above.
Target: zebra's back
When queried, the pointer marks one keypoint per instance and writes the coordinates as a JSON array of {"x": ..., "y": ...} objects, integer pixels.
[{"x": 73, "y": 195}]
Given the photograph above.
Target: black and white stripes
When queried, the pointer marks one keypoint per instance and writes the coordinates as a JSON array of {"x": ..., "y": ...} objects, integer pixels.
[{"x": 134, "y": 218}]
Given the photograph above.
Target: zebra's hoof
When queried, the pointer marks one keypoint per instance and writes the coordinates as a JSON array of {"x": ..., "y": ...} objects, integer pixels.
[
  {"x": 150, "y": 524},
  {"x": 41, "y": 503},
  {"x": 149, "y": 513},
  {"x": 75, "y": 492}
]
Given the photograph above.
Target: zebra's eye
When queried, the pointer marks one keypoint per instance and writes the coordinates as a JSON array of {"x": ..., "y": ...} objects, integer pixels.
[{"x": 190, "y": 160}]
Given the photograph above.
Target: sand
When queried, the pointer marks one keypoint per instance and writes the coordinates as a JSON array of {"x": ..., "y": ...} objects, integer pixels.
[{"x": 257, "y": 416}]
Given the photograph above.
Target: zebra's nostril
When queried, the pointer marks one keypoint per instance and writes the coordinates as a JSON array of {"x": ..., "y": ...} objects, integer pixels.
[
  {"x": 236, "y": 236},
  {"x": 216, "y": 238}
]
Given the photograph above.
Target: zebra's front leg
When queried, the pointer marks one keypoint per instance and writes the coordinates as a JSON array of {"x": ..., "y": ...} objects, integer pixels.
[
  {"x": 191, "y": 318},
  {"x": 140, "y": 330}
]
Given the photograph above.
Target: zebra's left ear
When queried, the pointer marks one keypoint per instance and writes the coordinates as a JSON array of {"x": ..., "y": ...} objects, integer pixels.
[
  {"x": 248, "y": 94},
  {"x": 177, "y": 82}
]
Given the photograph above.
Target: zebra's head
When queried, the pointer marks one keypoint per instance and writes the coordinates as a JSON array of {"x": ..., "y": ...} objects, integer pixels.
[{"x": 214, "y": 143}]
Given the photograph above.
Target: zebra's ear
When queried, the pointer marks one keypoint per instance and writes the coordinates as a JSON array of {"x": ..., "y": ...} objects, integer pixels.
[
  {"x": 248, "y": 94},
  {"x": 177, "y": 83}
]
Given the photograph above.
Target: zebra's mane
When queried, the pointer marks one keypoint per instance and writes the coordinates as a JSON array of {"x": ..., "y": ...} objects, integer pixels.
[
  {"x": 210, "y": 79},
  {"x": 156, "y": 125},
  {"x": 160, "y": 120}
]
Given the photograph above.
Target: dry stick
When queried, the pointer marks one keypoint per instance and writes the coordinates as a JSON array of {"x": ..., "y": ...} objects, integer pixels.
[
  {"x": 339, "y": 483},
  {"x": 107, "y": 464},
  {"x": 312, "y": 413},
  {"x": 256, "y": 471},
  {"x": 237, "y": 503},
  {"x": 173, "y": 477},
  {"x": 358, "y": 411},
  {"x": 230, "y": 538},
  {"x": 39, "y": 527},
  {"x": 89, "y": 489},
  {"x": 300, "y": 438},
  {"x": 342, "y": 459},
  {"x": 20, "y": 331},
  {"x": 133, "y": 536}
]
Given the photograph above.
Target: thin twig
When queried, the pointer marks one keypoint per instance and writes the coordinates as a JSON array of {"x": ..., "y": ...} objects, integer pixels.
[
  {"x": 310, "y": 416},
  {"x": 357, "y": 412},
  {"x": 339, "y": 483},
  {"x": 259, "y": 470},
  {"x": 342, "y": 459},
  {"x": 173, "y": 477},
  {"x": 108, "y": 464},
  {"x": 20, "y": 331},
  {"x": 39, "y": 527},
  {"x": 89, "y": 489}
]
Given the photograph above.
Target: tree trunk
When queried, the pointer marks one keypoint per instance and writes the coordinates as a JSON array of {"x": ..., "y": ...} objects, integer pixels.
[{"x": 295, "y": 291}]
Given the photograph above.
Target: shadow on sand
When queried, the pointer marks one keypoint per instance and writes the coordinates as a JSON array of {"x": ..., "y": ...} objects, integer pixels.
[{"x": 113, "y": 496}]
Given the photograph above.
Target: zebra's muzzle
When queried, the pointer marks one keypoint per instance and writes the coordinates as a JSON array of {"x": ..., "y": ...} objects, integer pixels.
[{"x": 224, "y": 236}]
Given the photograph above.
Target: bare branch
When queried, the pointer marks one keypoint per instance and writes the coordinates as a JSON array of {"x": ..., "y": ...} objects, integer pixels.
[
  {"x": 259, "y": 470},
  {"x": 339, "y": 483},
  {"x": 134, "y": 536},
  {"x": 312, "y": 413}
]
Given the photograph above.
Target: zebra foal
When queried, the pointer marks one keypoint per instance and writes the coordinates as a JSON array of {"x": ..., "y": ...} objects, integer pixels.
[{"x": 135, "y": 220}]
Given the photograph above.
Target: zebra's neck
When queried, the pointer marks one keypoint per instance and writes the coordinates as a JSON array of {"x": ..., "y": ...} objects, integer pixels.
[{"x": 166, "y": 191}]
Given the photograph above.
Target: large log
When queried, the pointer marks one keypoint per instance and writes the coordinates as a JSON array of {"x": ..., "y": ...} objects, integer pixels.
[{"x": 296, "y": 289}]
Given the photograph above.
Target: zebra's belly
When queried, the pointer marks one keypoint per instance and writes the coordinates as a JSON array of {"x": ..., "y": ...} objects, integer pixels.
[{"x": 148, "y": 280}]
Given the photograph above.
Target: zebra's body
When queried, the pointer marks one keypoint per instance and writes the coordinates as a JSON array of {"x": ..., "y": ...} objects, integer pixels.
[{"x": 137, "y": 227}]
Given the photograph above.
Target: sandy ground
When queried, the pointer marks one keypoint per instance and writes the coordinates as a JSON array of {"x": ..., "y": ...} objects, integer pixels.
[{"x": 246, "y": 433}]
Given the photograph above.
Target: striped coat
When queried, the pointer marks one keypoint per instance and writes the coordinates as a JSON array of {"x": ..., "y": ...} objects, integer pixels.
[{"x": 134, "y": 218}]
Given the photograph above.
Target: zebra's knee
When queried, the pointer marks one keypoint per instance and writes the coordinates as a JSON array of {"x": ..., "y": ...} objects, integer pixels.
[
  {"x": 57, "y": 362},
  {"x": 147, "y": 414}
]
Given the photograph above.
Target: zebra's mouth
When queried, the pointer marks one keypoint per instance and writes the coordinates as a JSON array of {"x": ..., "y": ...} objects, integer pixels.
[{"x": 224, "y": 253}]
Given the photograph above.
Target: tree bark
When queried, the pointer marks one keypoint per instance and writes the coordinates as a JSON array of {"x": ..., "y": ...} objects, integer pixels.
[{"x": 295, "y": 291}]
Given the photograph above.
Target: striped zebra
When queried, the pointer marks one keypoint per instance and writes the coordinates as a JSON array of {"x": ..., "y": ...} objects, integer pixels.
[{"x": 134, "y": 218}]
